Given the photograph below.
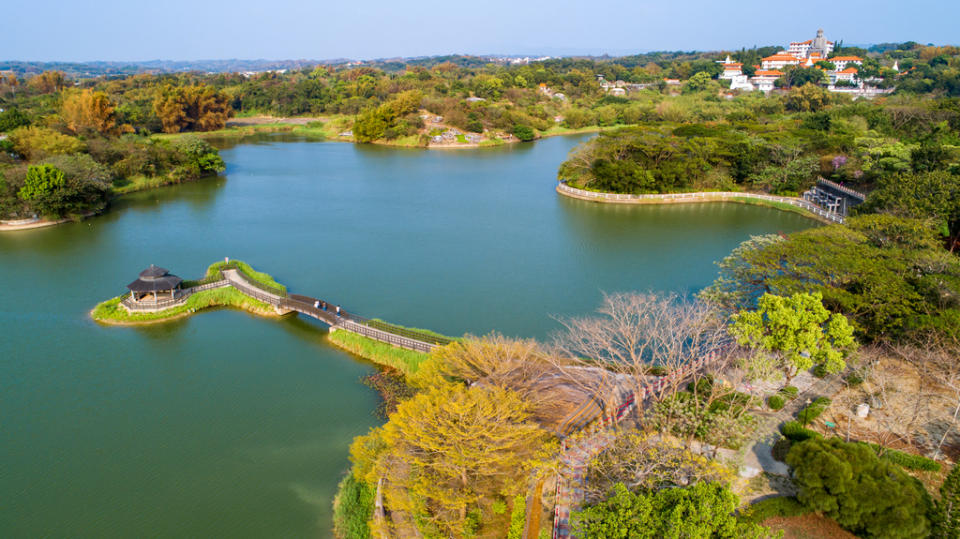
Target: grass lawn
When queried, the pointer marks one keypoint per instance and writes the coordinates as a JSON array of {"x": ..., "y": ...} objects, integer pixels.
[
  {"x": 111, "y": 311},
  {"x": 405, "y": 361}
]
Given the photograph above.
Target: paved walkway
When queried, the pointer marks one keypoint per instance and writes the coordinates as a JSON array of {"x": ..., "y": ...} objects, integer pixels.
[{"x": 758, "y": 454}]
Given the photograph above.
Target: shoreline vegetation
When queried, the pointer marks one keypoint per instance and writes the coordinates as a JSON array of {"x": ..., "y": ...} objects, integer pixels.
[{"x": 695, "y": 197}]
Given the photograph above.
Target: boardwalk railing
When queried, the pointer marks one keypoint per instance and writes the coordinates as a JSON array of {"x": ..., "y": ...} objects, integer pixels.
[
  {"x": 378, "y": 330},
  {"x": 344, "y": 321},
  {"x": 180, "y": 297},
  {"x": 718, "y": 196}
]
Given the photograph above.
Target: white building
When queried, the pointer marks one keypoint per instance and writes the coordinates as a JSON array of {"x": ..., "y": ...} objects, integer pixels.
[
  {"x": 841, "y": 62},
  {"x": 733, "y": 71},
  {"x": 779, "y": 61},
  {"x": 763, "y": 79},
  {"x": 849, "y": 75},
  {"x": 805, "y": 49}
]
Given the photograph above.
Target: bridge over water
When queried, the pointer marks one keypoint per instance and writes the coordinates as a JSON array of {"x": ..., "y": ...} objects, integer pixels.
[
  {"x": 320, "y": 309},
  {"x": 324, "y": 311}
]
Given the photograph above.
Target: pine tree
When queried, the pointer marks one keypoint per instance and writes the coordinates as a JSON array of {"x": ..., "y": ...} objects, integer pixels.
[{"x": 947, "y": 514}]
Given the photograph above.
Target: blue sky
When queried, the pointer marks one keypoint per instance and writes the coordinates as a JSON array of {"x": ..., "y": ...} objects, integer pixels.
[{"x": 289, "y": 29}]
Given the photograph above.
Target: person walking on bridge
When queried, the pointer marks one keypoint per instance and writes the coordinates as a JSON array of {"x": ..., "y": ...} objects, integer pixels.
[{"x": 338, "y": 310}]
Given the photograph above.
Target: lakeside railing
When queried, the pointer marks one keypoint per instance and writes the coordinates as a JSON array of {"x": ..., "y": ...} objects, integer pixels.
[
  {"x": 180, "y": 297},
  {"x": 719, "y": 196}
]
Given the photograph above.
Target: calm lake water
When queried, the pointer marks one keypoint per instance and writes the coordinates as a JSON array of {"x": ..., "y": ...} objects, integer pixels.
[{"x": 229, "y": 425}]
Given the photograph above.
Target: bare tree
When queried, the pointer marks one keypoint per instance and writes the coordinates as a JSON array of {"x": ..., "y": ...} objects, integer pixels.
[{"x": 644, "y": 343}]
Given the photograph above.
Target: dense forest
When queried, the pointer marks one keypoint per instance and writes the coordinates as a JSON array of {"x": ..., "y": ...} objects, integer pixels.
[{"x": 94, "y": 136}]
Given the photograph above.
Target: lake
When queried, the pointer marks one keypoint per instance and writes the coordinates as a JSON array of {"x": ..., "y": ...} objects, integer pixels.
[{"x": 224, "y": 424}]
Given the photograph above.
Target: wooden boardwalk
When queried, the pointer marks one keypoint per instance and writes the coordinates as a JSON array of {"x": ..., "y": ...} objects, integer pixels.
[{"x": 344, "y": 321}]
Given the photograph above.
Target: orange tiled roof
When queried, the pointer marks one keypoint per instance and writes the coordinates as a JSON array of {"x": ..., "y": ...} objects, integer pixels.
[
  {"x": 846, "y": 59},
  {"x": 768, "y": 73},
  {"x": 779, "y": 57},
  {"x": 848, "y": 71},
  {"x": 807, "y": 42},
  {"x": 732, "y": 64}
]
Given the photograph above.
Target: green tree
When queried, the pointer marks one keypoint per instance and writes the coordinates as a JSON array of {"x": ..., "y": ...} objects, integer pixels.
[
  {"x": 42, "y": 182},
  {"x": 933, "y": 195},
  {"x": 869, "y": 496},
  {"x": 699, "y": 82},
  {"x": 798, "y": 330},
  {"x": 946, "y": 515},
  {"x": 879, "y": 270},
  {"x": 11, "y": 119},
  {"x": 807, "y": 98},
  {"x": 704, "y": 510},
  {"x": 523, "y": 133}
]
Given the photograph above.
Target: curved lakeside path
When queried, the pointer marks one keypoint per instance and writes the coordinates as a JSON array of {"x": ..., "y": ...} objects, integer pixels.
[{"x": 699, "y": 197}]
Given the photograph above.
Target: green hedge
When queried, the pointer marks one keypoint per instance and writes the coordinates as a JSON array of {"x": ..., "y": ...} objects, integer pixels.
[
  {"x": 353, "y": 508},
  {"x": 813, "y": 411},
  {"x": 907, "y": 460},
  {"x": 781, "y": 506},
  {"x": 518, "y": 517},
  {"x": 797, "y": 432},
  {"x": 775, "y": 402}
]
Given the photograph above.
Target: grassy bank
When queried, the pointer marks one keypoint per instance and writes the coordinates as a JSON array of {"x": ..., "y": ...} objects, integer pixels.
[
  {"x": 405, "y": 361},
  {"x": 111, "y": 312},
  {"x": 560, "y": 130},
  {"x": 312, "y": 130},
  {"x": 258, "y": 277}
]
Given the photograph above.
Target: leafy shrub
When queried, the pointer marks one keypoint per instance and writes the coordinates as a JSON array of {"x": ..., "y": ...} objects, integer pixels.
[
  {"x": 907, "y": 460},
  {"x": 518, "y": 517},
  {"x": 775, "y": 402},
  {"x": 796, "y": 432},
  {"x": 820, "y": 371},
  {"x": 523, "y": 133},
  {"x": 813, "y": 411},
  {"x": 352, "y": 508},
  {"x": 854, "y": 379},
  {"x": 866, "y": 495},
  {"x": 790, "y": 392},
  {"x": 781, "y": 506},
  {"x": 780, "y": 449}
]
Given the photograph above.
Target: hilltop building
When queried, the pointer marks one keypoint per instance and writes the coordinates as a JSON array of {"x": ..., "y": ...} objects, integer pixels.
[{"x": 800, "y": 54}]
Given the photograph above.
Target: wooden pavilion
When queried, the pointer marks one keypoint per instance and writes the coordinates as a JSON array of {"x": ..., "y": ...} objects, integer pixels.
[{"x": 154, "y": 284}]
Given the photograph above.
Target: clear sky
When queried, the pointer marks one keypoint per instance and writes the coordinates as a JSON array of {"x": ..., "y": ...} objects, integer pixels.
[{"x": 322, "y": 29}]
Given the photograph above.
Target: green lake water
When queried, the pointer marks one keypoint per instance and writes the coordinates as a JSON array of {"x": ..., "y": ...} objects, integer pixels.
[{"x": 229, "y": 425}]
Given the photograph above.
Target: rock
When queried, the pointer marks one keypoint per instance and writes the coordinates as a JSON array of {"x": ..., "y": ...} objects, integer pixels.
[{"x": 748, "y": 472}]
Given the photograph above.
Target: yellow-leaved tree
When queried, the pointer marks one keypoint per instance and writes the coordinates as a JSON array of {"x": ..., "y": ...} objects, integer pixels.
[
  {"x": 448, "y": 452},
  {"x": 87, "y": 110}
]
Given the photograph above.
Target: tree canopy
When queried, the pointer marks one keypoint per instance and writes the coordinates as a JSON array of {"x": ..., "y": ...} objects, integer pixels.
[
  {"x": 863, "y": 493},
  {"x": 704, "y": 510},
  {"x": 798, "y": 330}
]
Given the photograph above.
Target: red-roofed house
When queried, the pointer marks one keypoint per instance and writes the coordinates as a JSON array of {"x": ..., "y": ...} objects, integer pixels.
[
  {"x": 849, "y": 74},
  {"x": 763, "y": 79}
]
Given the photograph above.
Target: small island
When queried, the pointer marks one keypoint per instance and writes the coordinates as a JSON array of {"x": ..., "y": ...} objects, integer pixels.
[{"x": 157, "y": 296}]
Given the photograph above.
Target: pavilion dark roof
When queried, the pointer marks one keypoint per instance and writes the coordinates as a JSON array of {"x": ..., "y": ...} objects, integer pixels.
[{"x": 155, "y": 279}]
